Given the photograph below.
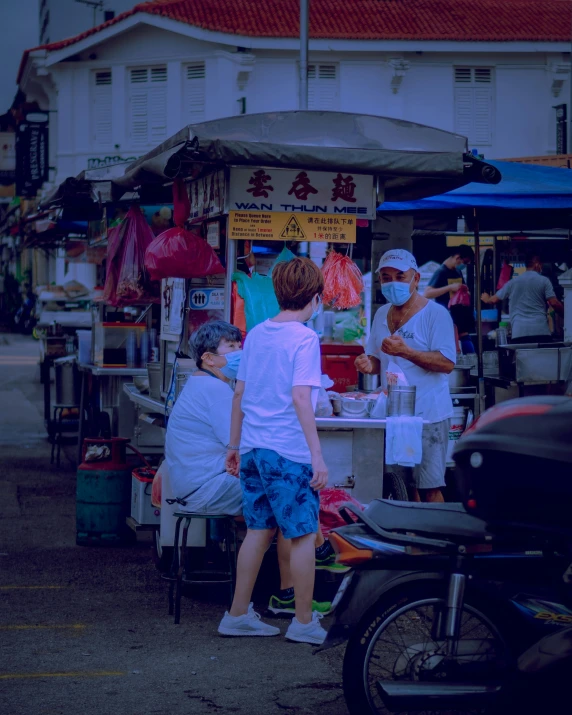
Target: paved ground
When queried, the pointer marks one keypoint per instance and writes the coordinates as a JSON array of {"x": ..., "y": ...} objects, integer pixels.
[{"x": 85, "y": 631}]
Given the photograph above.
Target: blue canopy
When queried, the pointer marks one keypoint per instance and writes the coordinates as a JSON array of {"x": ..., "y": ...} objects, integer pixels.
[{"x": 523, "y": 187}]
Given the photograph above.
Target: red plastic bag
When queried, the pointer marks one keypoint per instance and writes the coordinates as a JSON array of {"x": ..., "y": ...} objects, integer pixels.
[
  {"x": 461, "y": 297},
  {"x": 127, "y": 281},
  {"x": 505, "y": 275},
  {"x": 343, "y": 282},
  {"x": 330, "y": 502},
  {"x": 178, "y": 253}
]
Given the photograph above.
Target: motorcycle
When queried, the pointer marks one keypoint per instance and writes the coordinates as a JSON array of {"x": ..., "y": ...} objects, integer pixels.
[{"x": 457, "y": 608}]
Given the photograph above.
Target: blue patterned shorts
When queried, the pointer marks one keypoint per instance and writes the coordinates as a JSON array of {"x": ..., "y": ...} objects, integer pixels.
[{"x": 277, "y": 493}]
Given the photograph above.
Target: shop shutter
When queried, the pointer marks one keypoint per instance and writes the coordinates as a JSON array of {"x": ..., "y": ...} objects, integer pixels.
[
  {"x": 101, "y": 114},
  {"x": 323, "y": 87},
  {"x": 474, "y": 104},
  {"x": 194, "y": 93},
  {"x": 147, "y": 106}
]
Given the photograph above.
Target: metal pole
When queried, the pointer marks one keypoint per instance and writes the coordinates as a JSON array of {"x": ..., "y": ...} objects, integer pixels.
[
  {"x": 304, "y": 35},
  {"x": 479, "y": 319},
  {"x": 230, "y": 269}
]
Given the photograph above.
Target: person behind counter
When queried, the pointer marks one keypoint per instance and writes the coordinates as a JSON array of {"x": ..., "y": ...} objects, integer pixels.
[
  {"x": 280, "y": 458},
  {"x": 446, "y": 281},
  {"x": 528, "y": 296},
  {"x": 418, "y": 335}
]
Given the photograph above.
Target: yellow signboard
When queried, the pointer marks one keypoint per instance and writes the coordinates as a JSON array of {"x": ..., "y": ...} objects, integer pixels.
[
  {"x": 286, "y": 226},
  {"x": 470, "y": 240}
]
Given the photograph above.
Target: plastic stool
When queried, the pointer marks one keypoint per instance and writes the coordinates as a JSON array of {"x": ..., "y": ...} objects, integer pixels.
[{"x": 180, "y": 574}]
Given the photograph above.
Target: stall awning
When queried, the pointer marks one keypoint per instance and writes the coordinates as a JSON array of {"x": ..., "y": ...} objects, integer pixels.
[
  {"x": 410, "y": 160},
  {"x": 527, "y": 195}
]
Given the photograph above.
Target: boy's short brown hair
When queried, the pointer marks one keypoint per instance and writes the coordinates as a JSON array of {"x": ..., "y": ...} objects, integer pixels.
[{"x": 296, "y": 282}]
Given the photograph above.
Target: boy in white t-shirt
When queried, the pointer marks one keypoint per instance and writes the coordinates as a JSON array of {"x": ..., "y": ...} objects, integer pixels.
[{"x": 274, "y": 444}]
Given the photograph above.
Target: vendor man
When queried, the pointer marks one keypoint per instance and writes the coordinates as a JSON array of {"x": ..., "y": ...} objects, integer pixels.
[
  {"x": 418, "y": 335},
  {"x": 446, "y": 281},
  {"x": 528, "y": 296}
]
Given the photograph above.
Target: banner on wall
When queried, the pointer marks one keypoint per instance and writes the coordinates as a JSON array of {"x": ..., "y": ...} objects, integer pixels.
[{"x": 32, "y": 167}]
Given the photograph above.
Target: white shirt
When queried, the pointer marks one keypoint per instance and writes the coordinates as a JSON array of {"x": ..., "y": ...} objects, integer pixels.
[
  {"x": 198, "y": 433},
  {"x": 429, "y": 330},
  {"x": 277, "y": 357},
  {"x": 527, "y": 297}
]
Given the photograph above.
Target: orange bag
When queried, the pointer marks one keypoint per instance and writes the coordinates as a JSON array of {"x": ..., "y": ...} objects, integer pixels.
[
  {"x": 238, "y": 314},
  {"x": 343, "y": 282}
]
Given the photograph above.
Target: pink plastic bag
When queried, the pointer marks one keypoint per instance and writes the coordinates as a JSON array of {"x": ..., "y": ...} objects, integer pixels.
[
  {"x": 343, "y": 282},
  {"x": 178, "y": 253},
  {"x": 127, "y": 281},
  {"x": 461, "y": 297},
  {"x": 330, "y": 502}
]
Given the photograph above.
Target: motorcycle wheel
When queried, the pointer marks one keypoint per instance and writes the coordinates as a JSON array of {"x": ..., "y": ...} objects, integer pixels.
[
  {"x": 394, "y": 487},
  {"x": 394, "y": 641}
]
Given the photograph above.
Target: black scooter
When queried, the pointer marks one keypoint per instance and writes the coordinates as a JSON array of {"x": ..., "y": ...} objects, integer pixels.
[{"x": 447, "y": 611}]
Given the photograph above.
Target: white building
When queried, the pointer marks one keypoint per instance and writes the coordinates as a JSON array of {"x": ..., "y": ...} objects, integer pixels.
[
  {"x": 491, "y": 71},
  {"x": 64, "y": 18}
]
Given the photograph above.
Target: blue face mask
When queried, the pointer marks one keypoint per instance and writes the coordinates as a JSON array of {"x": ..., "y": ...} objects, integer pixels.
[
  {"x": 230, "y": 370},
  {"x": 318, "y": 309},
  {"x": 396, "y": 293}
]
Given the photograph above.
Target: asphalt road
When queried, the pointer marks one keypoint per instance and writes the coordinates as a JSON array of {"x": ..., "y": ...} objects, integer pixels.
[{"x": 85, "y": 630}]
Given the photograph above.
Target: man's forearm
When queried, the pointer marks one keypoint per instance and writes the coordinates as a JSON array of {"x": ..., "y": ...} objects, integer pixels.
[
  {"x": 236, "y": 421},
  {"x": 431, "y": 292},
  {"x": 433, "y": 361}
]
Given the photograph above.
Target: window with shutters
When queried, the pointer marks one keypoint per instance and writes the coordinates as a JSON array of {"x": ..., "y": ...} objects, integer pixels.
[
  {"x": 101, "y": 130},
  {"x": 474, "y": 104},
  {"x": 323, "y": 87},
  {"x": 147, "y": 106},
  {"x": 194, "y": 93}
]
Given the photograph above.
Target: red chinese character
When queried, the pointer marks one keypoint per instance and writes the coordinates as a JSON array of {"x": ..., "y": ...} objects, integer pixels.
[
  {"x": 301, "y": 187},
  {"x": 259, "y": 180},
  {"x": 344, "y": 189}
]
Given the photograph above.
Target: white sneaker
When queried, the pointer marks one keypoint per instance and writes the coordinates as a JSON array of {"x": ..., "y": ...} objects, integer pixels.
[
  {"x": 247, "y": 625},
  {"x": 307, "y": 632}
]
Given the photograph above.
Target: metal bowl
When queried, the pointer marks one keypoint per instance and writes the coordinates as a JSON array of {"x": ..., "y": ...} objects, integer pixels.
[{"x": 358, "y": 409}]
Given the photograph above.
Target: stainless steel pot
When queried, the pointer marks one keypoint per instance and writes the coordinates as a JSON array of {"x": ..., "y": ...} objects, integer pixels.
[
  {"x": 401, "y": 400},
  {"x": 68, "y": 381},
  {"x": 367, "y": 383},
  {"x": 460, "y": 377}
]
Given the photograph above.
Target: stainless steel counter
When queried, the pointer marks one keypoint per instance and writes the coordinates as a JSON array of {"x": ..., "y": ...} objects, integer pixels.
[{"x": 113, "y": 371}]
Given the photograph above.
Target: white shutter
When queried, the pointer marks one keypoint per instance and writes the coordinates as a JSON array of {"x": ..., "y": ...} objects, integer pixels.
[
  {"x": 483, "y": 105},
  {"x": 101, "y": 114},
  {"x": 474, "y": 104},
  {"x": 464, "y": 111},
  {"x": 323, "y": 87},
  {"x": 148, "y": 106},
  {"x": 195, "y": 93}
]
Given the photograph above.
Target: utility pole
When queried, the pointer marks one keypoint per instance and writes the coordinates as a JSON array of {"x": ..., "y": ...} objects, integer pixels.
[{"x": 304, "y": 35}]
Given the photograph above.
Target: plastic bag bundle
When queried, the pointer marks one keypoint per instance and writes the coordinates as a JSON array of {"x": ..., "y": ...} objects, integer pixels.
[
  {"x": 331, "y": 499},
  {"x": 343, "y": 282},
  {"x": 259, "y": 297},
  {"x": 127, "y": 280},
  {"x": 178, "y": 253},
  {"x": 284, "y": 256},
  {"x": 461, "y": 297}
]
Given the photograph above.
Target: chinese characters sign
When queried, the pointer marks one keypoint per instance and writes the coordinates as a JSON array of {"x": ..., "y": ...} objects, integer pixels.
[
  {"x": 32, "y": 153},
  {"x": 297, "y": 191},
  {"x": 286, "y": 226}
]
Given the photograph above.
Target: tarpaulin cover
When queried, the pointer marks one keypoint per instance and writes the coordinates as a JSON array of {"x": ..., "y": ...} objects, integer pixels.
[
  {"x": 410, "y": 160},
  {"x": 522, "y": 187}
]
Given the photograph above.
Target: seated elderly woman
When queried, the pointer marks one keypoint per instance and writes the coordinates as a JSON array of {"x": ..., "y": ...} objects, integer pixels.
[{"x": 198, "y": 432}]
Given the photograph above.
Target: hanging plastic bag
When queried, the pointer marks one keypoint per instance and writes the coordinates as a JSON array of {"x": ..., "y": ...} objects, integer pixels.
[
  {"x": 157, "y": 486},
  {"x": 461, "y": 297},
  {"x": 505, "y": 275},
  {"x": 259, "y": 298},
  {"x": 284, "y": 256},
  {"x": 331, "y": 500},
  {"x": 379, "y": 411},
  {"x": 343, "y": 282},
  {"x": 178, "y": 253},
  {"x": 347, "y": 327},
  {"x": 127, "y": 281},
  {"x": 238, "y": 314}
]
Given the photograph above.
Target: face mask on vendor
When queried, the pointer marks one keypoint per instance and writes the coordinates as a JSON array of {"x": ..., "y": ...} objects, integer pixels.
[
  {"x": 396, "y": 292},
  {"x": 317, "y": 309}
]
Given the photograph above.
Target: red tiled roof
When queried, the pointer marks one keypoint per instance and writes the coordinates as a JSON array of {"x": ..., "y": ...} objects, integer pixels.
[{"x": 453, "y": 20}]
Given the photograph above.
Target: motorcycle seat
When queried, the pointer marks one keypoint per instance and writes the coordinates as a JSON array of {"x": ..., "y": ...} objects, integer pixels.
[{"x": 448, "y": 521}]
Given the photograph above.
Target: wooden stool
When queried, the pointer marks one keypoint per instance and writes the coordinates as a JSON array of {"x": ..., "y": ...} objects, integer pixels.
[{"x": 180, "y": 573}]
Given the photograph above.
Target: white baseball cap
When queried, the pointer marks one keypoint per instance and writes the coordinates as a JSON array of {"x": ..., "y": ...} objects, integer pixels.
[{"x": 398, "y": 258}]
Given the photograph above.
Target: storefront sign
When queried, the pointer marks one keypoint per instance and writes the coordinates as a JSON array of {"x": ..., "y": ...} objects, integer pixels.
[
  {"x": 295, "y": 191},
  {"x": 561, "y": 129},
  {"x": 32, "y": 153},
  {"x": 453, "y": 241},
  {"x": 96, "y": 162},
  {"x": 213, "y": 234},
  {"x": 207, "y": 196},
  {"x": 206, "y": 299},
  {"x": 7, "y": 158},
  {"x": 287, "y": 226}
]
